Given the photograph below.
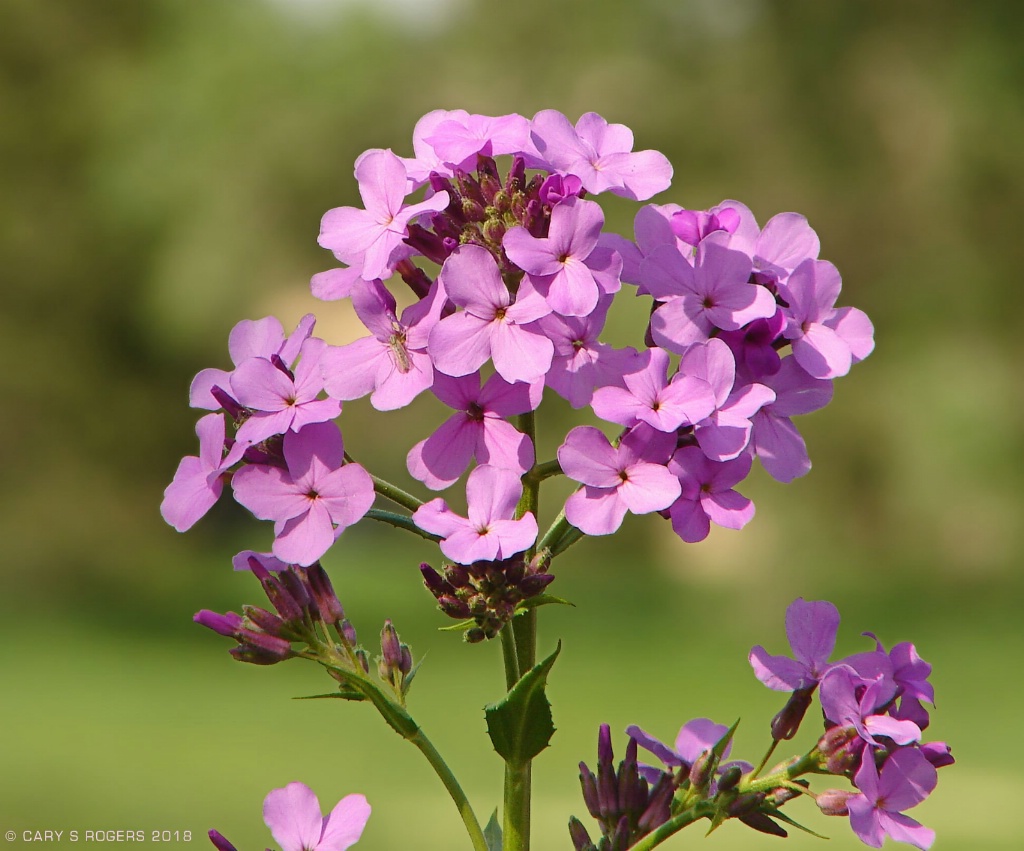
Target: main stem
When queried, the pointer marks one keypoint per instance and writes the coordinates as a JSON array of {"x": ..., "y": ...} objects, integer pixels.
[{"x": 516, "y": 830}]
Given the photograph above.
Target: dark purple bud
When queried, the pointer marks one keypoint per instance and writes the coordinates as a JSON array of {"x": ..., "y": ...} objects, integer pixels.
[
  {"x": 405, "y": 665},
  {"x": 227, "y": 624},
  {"x": 220, "y": 842},
  {"x": 323, "y": 593},
  {"x": 266, "y": 621},
  {"x": 607, "y": 790},
  {"x": 516, "y": 174},
  {"x": 228, "y": 403},
  {"x": 746, "y": 804},
  {"x": 659, "y": 805},
  {"x": 605, "y": 754},
  {"x": 729, "y": 778},
  {"x": 454, "y": 607},
  {"x": 473, "y": 210},
  {"x": 427, "y": 243},
  {"x": 390, "y": 645},
  {"x": 474, "y": 635},
  {"x": 493, "y": 230},
  {"x": 835, "y": 739},
  {"x": 787, "y": 722},
  {"x": 533, "y": 585},
  {"x": 577, "y": 832},
  {"x": 439, "y": 183},
  {"x": 435, "y": 584},
  {"x": 450, "y": 243},
  {"x": 348, "y": 633},
  {"x": 281, "y": 647},
  {"x": 760, "y": 822},
  {"x": 254, "y": 655},
  {"x": 588, "y": 783},
  {"x": 701, "y": 770},
  {"x": 457, "y": 575},
  {"x": 490, "y": 187},
  {"x": 294, "y": 580},
  {"x": 364, "y": 660},
  {"x": 833, "y": 802},
  {"x": 535, "y": 222},
  {"x": 620, "y": 839}
]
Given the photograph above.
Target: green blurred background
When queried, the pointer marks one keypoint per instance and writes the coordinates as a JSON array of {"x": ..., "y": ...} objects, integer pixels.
[{"x": 164, "y": 166}]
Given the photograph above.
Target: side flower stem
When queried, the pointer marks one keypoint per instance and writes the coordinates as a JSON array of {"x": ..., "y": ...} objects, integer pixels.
[
  {"x": 674, "y": 825},
  {"x": 400, "y": 521},
  {"x": 401, "y": 722},
  {"x": 392, "y": 492}
]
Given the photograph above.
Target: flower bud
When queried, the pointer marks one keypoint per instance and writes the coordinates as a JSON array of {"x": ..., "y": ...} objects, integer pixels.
[
  {"x": 578, "y": 834},
  {"x": 390, "y": 645},
  {"x": 760, "y": 822},
  {"x": 363, "y": 659},
  {"x": 323, "y": 593},
  {"x": 746, "y": 804},
  {"x": 787, "y": 722},
  {"x": 833, "y": 802},
  {"x": 588, "y": 783},
  {"x": 227, "y": 624},
  {"x": 937, "y": 753},
  {"x": 220, "y": 843},
  {"x": 453, "y": 606},
  {"x": 729, "y": 778},
  {"x": 266, "y": 621},
  {"x": 700, "y": 771}
]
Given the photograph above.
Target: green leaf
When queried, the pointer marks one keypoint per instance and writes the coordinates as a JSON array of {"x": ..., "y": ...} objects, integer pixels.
[
  {"x": 520, "y": 724},
  {"x": 461, "y": 626},
  {"x": 343, "y": 694},
  {"x": 541, "y": 600},
  {"x": 492, "y": 833},
  {"x": 783, "y": 817}
]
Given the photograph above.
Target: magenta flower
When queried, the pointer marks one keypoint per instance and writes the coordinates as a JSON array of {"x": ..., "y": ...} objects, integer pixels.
[
  {"x": 786, "y": 241},
  {"x": 825, "y": 341},
  {"x": 280, "y": 401},
  {"x": 906, "y": 779},
  {"x": 567, "y": 267},
  {"x": 490, "y": 532},
  {"x": 707, "y": 495},
  {"x": 459, "y": 136},
  {"x": 478, "y": 429},
  {"x": 600, "y": 154},
  {"x": 367, "y": 238},
  {"x": 294, "y": 818},
  {"x": 250, "y": 338},
  {"x": 313, "y": 500},
  {"x": 840, "y": 687},
  {"x": 491, "y": 324},
  {"x": 393, "y": 362},
  {"x": 652, "y": 226},
  {"x": 628, "y": 477},
  {"x": 811, "y": 627},
  {"x": 712, "y": 293},
  {"x": 695, "y": 738},
  {"x": 649, "y": 397},
  {"x": 581, "y": 363},
  {"x": 199, "y": 480}
]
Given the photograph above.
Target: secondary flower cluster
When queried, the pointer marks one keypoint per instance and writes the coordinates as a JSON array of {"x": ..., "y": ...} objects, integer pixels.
[
  {"x": 744, "y": 334},
  {"x": 874, "y": 720}
]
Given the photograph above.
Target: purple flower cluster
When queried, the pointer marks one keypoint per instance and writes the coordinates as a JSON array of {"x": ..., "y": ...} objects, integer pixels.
[
  {"x": 744, "y": 334},
  {"x": 874, "y": 718}
]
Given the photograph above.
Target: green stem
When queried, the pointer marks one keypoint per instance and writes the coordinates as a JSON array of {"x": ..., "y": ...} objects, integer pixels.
[
  {"x": 543, "y": 471},
  {"x": 390, "y": 491},
  {"x": 402, "y": 722},
  {"x": 509, "y": 656},
  {"x": 516, "y": 830},
  {"x": 399, "y": 521},
  {"x": 568, "y": 539},
  {"x": 674, "y": 825},
  {"x": 440, "y": 767}
]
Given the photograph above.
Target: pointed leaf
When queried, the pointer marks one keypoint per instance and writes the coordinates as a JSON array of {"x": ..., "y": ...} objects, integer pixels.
[
  {"x": 781, "y": 816},
  {"x": 520, "y": 724},
  {"x": 541, "y": 600},
  {"x": 342, "y": 693},
  {"x": 461, "y": 626},
  {"x": 492, "y": 833}
]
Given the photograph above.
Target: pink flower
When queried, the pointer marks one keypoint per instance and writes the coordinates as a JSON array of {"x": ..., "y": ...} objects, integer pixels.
[
  {"x": 491, "y": 325},
  {"x": 199, "y": 480},
  {"x": 367, "y": 238},
  {"x": 707, "y": 494},
  {"x": 313, "y": 500},
  {"x": 628, "y": 477},
  {"x": 293, "y": 816},
  {"x": 490, "y": 532},
  {"x": 907, "y": 778}
]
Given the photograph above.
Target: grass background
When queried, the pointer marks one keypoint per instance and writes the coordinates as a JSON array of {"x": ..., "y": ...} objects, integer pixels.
[{"x": 164, "y": 166}]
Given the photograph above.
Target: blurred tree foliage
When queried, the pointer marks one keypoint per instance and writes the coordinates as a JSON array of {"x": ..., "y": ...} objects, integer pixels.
[{"x": 164, "y": 166}]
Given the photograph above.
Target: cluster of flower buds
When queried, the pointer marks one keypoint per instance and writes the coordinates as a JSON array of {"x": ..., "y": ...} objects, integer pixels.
[
  {"x": 306, "y": 612},
  {"x": 625, "y": 805},
  {"x": 744, "y": 334},
  {"x": 486, "y": 592}
]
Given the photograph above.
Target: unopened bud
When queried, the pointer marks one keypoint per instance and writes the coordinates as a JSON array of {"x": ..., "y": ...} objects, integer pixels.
[
  {"x": 474, "y": 635},
  {"x": 763, "y": 824},
  {"x": 266, "y": 621},
  {"x": 578, "y": 834},
  {"x": 323, "y": 593},
  {"x": 220, "y": 843},
  {"x": 348, "y": 633},
  {"x": 745, "y": 804},
  {"x": 787, "y": 722},
  {"x": 227, "y": 624},
  {"x": 700, "y": 771},
  {"x": 833, "y": 802},
  {"x": 364, "y": 660},
  {"x": 729, "y": 778},
  {"x": 588, "y": 783},
  {"x": 390, "y": 645},
  {"x": 453, "y": 606}
]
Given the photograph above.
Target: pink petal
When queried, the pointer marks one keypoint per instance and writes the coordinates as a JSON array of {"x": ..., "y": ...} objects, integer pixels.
[
  {"x": 519, "y": 354},
  {"x": 595, "y": 511},
  {"x": 343, "y": 827},
  {"x": 461, "y": 343},
  {"x": 492, "y": 494},
  {"x": 304, "y": 539},
  {"x": 293, "y": 816}
]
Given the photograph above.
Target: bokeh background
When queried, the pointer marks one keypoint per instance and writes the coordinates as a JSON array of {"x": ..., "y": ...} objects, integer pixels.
[{"x": 164, "y": 166}]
